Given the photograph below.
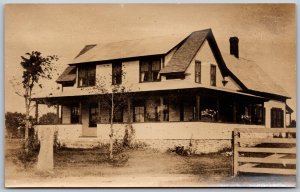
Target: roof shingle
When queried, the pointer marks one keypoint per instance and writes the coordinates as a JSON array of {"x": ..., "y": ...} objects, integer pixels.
[
  {"x": 185, "y": 53},
  {"x": 69, "y": 75}
]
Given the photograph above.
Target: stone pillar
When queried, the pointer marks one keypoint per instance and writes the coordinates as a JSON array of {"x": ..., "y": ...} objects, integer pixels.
[{"x": 45, "y": 157}]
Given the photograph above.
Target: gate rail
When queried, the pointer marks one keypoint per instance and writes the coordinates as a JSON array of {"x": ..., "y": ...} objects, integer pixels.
[{"x": 279, "y": 155}]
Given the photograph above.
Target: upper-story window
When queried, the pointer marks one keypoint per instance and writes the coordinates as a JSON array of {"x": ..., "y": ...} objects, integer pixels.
[
  {"x": 86, "y": 76},
  {"x": 117, "y": 73},
  {"x": 213, "y": 76},
  {"x": 197, "y": 71},
  {"x": 149, "y": 70}
]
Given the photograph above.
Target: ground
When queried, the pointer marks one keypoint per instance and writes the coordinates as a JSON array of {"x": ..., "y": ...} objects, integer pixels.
[{"x": 144, "y": 168}]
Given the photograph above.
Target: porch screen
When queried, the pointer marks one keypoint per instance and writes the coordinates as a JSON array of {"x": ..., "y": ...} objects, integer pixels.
[
  {"x": 94, "y": 110},
  {"x": 139, "y": 114},
  {"x": 277, "y": 118},
  {"x": 74, "y": 114}
]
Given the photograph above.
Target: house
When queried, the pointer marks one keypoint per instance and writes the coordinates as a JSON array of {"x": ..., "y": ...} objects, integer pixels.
[{"x": 184, "y": 90}]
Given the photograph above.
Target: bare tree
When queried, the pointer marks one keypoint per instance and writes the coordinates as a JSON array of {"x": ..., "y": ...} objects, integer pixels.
[{"x": 35, "y": 66}]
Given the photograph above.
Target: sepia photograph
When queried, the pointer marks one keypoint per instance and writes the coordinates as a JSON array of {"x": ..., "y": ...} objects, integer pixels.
[{"x": 150, "y": 95}]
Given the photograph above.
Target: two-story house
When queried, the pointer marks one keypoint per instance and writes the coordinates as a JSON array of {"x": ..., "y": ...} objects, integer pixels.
[{"x": 183, "y": 90}]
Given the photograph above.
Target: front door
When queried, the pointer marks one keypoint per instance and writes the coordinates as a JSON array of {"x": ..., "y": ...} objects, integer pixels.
[{"x": 89, "y": 119}]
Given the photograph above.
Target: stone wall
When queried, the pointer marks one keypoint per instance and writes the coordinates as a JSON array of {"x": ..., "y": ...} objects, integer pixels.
[{"x": 205, "y": 137}]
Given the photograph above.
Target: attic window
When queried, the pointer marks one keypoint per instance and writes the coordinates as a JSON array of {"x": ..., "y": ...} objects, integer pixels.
[{"x": 149, "y": 70}]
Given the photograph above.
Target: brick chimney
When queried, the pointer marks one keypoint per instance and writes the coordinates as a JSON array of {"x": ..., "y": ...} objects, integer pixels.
[{"x": 234, "y": 46}]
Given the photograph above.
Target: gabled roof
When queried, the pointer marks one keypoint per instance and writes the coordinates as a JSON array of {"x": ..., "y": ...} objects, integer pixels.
[
  {"x": 128, "y": 49},
  {"x": 252, "y": 76},
  {"x": 69, "y": 75},
  {"x": 185, "y": 53}
]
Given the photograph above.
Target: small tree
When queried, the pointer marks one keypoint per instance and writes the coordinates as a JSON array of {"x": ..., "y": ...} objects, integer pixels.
[
  {"x": 115, "y": 96},
  {"x": 35, "y": 66}
]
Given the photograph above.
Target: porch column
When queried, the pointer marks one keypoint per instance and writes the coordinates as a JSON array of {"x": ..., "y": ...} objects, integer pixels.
[
  {"x": 37, "y": 112},
  {"x": 129, "y": 110},
  {"x": 162, "y": 107},
  {"x": 57, "y": 114},
  {"x": 198, "y": 107},
  {"x": 99, "y": 111}
]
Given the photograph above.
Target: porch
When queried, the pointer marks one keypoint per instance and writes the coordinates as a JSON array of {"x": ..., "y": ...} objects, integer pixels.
[{"x": 159, "y": 118}]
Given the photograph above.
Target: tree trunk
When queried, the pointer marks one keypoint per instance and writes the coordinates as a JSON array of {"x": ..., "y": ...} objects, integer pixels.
[
  {"x": 27, "y": 125},
  {"x": 111, "y": 139}
]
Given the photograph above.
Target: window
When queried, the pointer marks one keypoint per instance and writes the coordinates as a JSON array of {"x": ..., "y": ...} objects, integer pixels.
[
  {"x": 74, "y": 114},
  {"x": 117, "y": 73},
  {"x": 86, "y": 76},
  {"x": 139, "y": 114},
  {"x": 276, "y": 118},
  {"x": 149, "y": 70},
  {"x": 213, "y": 71},
  {"x": 93, "y": 118},
  {"x": 197, "y": 71}
]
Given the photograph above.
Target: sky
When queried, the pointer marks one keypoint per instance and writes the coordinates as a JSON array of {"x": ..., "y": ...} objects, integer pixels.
[{"x": 266, "y": 32}]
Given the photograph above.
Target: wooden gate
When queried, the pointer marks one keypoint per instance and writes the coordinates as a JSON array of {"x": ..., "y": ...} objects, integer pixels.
[{"x": 264, "y": 150}]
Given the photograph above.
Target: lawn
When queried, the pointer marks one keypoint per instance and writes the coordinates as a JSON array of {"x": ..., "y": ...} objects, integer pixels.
[{"x": 135, "y": 168}]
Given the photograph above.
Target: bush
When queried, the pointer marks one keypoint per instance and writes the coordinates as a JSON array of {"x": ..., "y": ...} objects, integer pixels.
[{"x": 29, "y": 156}]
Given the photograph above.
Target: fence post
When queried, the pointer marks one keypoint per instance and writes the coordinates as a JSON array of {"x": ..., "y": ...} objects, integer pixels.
[{"x": 235, "y": 152}]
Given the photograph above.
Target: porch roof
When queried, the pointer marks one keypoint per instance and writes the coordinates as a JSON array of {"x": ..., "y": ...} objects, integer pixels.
[{"x": 86, "y": 92}]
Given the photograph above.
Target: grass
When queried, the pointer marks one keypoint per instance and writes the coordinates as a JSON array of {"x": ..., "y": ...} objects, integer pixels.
[
  {"x": 131, "y": 167},
  {"x": 86, "y": 163}
]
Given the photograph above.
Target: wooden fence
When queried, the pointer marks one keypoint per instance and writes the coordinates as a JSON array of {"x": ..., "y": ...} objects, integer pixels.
[{"x": 264, "y": 150}]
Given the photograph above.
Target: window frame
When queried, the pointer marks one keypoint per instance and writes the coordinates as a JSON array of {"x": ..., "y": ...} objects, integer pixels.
[
  {"x": 198, "y": 73},
  {"x": 117, "y": 74},
  {"x": 213, "y": 75},
  {"x": 89, "y": 72},
  {"x": 74, "y": 116},
  {"x": 150, "y": 61},
  {"x": 277, "y": 120}
]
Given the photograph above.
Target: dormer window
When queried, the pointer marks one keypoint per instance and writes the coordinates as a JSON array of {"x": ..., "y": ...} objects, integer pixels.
[
  {"x": 86, "y": 76},
  {"x": 149, "y": 70}
]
